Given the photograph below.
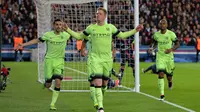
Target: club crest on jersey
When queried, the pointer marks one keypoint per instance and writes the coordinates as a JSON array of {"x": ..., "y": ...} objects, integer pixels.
[
  {"x": 93, "y": 29},
  {"x": 167, "y": 38},
  {"x": 108, "y": 29}
]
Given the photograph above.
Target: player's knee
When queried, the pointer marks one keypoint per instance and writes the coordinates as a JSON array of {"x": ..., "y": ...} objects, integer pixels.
[
  {"x": 98, "y": 82},
  {"x": 105, "y": 83},
  {"x": 169, "y": 78},
  {"x": 161, "y": 75},
  {"x": 58, "y": 85},
  {"x": 47, "y": 85}
]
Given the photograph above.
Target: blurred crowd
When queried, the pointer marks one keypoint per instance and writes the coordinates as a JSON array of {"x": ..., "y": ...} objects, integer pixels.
[
  {"x": 183, "y": 16},
  {"x": 19, "y": 19}
]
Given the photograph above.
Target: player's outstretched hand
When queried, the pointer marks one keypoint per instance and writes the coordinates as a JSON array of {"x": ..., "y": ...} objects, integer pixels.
[
  {"x": 139, "y": 27},
  {"x": 168, "y": 51}
]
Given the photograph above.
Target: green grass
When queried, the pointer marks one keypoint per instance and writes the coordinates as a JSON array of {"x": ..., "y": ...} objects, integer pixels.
[{"x": 25, "y": 94}]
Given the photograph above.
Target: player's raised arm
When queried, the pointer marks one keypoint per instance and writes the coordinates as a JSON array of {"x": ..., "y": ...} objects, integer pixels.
[
  {"x": 130, "y": 33},
  {"x": 76, "y": 35}
]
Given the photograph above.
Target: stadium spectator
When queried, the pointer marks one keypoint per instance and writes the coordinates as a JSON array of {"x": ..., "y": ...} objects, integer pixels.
[
  {"x": 18, "y": 16},
  {"x": 18, "y": 40},
  {"x": 181, "y": 15},
  {"x": 78, "y": 47},
  {"x": 197, "y": 46}
]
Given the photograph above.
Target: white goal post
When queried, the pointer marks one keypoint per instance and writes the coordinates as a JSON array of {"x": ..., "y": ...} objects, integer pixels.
[{"x": 79, "y": 14}]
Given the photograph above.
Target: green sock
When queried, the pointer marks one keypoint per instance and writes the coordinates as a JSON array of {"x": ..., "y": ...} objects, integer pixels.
[
  {"x": 55, "y": 96},
  {"x": 161, "y": 85},
  {"x": 99, "y": 96},
  {"x": 93, "y": 96},
  {"x": 104, "y": 88}
]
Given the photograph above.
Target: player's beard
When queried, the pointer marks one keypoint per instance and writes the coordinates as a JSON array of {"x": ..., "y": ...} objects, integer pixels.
[{"x": 58, "y": 30}]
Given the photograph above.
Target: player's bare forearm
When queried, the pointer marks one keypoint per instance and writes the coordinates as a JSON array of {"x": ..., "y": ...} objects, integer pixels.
[
  {"x": 113, "y": 45},
  {"x": 153, "y": 44},
  {"x": 176, "y": 46},
  {"x": 34, "y": 41},
  {"x": 113, "y": 53},
  {"x": 113, "y": 50},
  {"x": 83, "y": 48},
  {"x": 132, "y": 46}
]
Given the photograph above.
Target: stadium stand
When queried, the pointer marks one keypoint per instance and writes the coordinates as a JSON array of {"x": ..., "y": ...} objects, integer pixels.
[{"x": 19, "y": 17}]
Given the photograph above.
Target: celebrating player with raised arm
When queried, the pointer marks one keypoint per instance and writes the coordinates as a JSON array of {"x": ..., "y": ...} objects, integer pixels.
[
  {"x": 56, "y": 41},
  {"x": 164, "y": 57},
  {"x": 101, "y": 54}
]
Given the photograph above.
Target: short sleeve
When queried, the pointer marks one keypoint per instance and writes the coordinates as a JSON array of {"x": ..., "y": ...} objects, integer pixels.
[
  {"x": 173, "y": 37},
  {"x": 87, "y": 31},
  {"x": 115, "y": 31},
  {"x": 44, "y": 37},
  {"x": 155, "y": 37}
]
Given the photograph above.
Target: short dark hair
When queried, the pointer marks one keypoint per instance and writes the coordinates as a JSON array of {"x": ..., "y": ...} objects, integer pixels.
[{"x": 56, "y": 20}]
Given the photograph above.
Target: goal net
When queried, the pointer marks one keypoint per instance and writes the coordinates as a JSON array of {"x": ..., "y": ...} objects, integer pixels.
[{"x": 78, "y": 14}]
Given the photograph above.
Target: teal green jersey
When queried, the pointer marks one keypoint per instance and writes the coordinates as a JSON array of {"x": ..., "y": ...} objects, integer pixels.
[
  {"x": 55, "y": 44},
  {"x": 101, "y": 40},
  {"x": 165, "y": 41}
]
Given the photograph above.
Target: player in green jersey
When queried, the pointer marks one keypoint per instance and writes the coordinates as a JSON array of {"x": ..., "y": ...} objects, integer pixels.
[
  {"x": 56, "y": 41},
  {"x": 92, "y": 86},
  {"x": 101, "y": 54},
  {"x": 164, "y": 57}
]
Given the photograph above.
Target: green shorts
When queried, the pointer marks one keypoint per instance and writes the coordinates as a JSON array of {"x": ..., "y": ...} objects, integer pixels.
[
  {"x": 99, "y": 69},
  {"x": 165, "y": 65},
  {"x": 53, "y": 67}
]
